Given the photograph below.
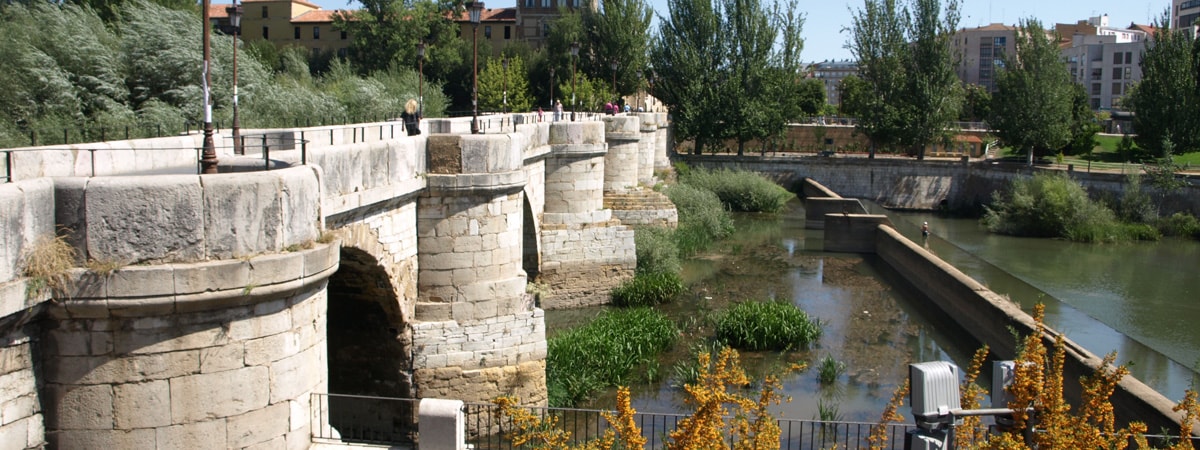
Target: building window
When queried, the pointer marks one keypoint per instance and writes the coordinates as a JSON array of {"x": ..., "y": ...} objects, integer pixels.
[
  {"x": 1117, "y": 58},
  {"x": 1116, "y": 73},
  {"x": 1116, "y": 89},
  {"x": 1128, "y": 73},
  {"x": 264, "y": 12},
  {"x": 342, "y": 52},
  {"x": 487, "y": 31},
  {"x": 266, "y": 35},
  {"x": 507, "y": 32},
  {"x": 316, "y": 32},
  {"x": 545, "y": 3},
  {"x": 1128, "y": 57},
  {"x": 1095, "y": 88},
  {"x": 296, "y": 33},
  {"x": 343, "y": 35},
  {"x": 528, "y": 3},
  {"x": 1095, "y": 103},
  {"x": 545, "y": 30},
  {"x": 1000, "y": 42}
]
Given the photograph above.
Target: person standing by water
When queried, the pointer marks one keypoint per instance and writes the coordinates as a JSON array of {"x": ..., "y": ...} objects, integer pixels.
[
  {"x": 558, "y": 110},
  {"x": 925, "y": 229},
  {"x": 411, "y": 118}
]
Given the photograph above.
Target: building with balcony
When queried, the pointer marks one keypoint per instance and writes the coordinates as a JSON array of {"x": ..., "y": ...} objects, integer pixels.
[
  {"x": 981, "y": 51},
  {"x": 1184, "y": 12},
  {"x": 1105, "y": 60}
]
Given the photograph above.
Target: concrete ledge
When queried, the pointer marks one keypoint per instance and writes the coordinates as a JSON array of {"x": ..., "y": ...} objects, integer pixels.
[
  {"x": 182, "y": 288},
  {"x": 815, "y": 209},
  {"x": 486, "y": 183},
  {"x": 578, "y": 150},
  {"x": 852, "y": 233},
  {"x": 989, "y": 318},
  {"x": 810, "y": 188}
]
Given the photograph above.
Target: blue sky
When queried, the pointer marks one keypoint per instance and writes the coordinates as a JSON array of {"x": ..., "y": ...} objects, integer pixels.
[{"x": 824, "y": 38}]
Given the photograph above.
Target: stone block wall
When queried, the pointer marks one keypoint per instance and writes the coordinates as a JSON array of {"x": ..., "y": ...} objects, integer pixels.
[
  {"x": 623, "y": 134},
  {"x": 226, "y": 358},
  {"x": 663, "y": 147},
  {"x": 478, "y": 361},
  {"x": 581, "y": 264},
  {"x": 21, "y": 420},
  {"x": 647, "y": 146}
]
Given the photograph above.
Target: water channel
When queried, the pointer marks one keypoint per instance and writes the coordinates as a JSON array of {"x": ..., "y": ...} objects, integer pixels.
[{"x": 1096, "y": 294}]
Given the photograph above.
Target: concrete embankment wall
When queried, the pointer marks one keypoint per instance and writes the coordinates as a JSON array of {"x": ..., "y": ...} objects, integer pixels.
[
  {"x": 905, "y": 183},
  {"x": 987, "y": 316}
]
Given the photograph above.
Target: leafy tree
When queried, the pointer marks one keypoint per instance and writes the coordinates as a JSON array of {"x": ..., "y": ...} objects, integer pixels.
[
  {"x": 1084, "y": 125},
  {"x": 1032, "y": 107},
  {"x": 1165, "y": 101},
  {"x": 931, "y": 88},
  {"x": 618, "y": 32},
  {"x": 879, "y": 44},
  {"x": 690, "y": 60},
  {"x": 810, "y": 94},
  {"x": 977, "y": 103},
  {"x": 492, "y": 82}
]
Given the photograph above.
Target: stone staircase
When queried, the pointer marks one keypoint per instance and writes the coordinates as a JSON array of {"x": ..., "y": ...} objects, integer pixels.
[{"x": 642, "y": 206}]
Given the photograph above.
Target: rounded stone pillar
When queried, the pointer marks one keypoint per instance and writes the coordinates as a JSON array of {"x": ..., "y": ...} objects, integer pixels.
[
  {"x": 621, "y": 163},
  {"x": 662, "y": 142},
  {"x": 647, "y": 147},
  {"x": 585, "y": 253},
  {"x": 476, "y": 334}
]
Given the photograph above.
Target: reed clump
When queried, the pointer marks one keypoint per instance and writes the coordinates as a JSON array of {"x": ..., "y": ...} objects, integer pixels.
[
  {"x": 604, "y": 352},
  {"x": 769, "y": 325}
]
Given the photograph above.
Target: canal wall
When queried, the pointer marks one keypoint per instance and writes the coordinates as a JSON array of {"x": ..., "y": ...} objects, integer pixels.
[
  {"x": 905, "y": 183},
  {"x": 986, "y": 316}
]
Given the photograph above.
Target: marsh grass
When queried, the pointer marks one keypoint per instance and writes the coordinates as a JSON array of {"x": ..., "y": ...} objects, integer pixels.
[
  {"x": 656, "y": 250},
  {"x": 769, "y": 325},
  {"x": 829, "y": 369},
  {"x": 702, "y": 218},
  {"x": 604, "y": 352},
  {"x": 739, "y": 190},
  {"x": 648, "y": 289},
  {"x": 1054, "y": 205}
]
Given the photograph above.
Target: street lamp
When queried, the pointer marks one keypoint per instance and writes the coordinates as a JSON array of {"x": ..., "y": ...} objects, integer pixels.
[
  {"x": 551, "y": 88},
  {"x": 208, "y": 154},
  {"x": 613, "y": 64},
  {"x": 504, "y": 108},
  {"x": 476, "y": 8},
  {"x": 235, "y": 20},
  {"x": 420, "y": 78},
  {"x": 574, "y": 55}
]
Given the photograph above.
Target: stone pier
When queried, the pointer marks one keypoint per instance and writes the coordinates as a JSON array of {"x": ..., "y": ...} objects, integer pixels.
[
  {"x": 629, "y": 172},
  {"x": 646, "y": 148},
  {"x": 585, "y": 252},
  {"x": 476, "y": 334}
]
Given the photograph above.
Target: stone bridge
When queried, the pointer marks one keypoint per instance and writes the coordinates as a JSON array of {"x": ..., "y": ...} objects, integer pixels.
[{"x": 203, "y": 311}]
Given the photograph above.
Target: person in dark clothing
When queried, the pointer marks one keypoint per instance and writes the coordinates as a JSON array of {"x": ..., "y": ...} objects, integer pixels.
[{"x": 411, "y": 118}]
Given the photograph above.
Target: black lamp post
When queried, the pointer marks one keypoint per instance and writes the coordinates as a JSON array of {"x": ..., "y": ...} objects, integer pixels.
[
  {"x": 420, "y": 78},
  {"x": 574, "y": 54},
  {"x": 551, "y": 88},
  {"x": 208, "y": 153},
  {"x": 613, "y": 64},
  {"x": 504, "y": 108},
  {"x": 235, "y": 20},
  {"x": 476, "y": 8}
]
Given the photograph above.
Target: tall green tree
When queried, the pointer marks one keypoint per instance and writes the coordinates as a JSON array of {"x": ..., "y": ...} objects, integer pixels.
[
  {"x": 386, "y": 32},
  {"x": 879, "y": 43},
  {"x": 1166, "y": 102},
  {"x": 690, "y": 61},
  {"x": 1084, "y": 125},
  {"x": 495, "y": 80},
  {"x": 931, "y": 88},
  {"x": 1031, "y": 110},
  {"x": 619, "y": 32}
]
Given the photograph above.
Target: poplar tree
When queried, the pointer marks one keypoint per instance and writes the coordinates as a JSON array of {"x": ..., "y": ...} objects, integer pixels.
[
  {"x": 1031, "y": 110},
  {"x": 689, "y": 59},
  {"x": 877, "y": 41},
  {"x": 1166, "y": 102}
]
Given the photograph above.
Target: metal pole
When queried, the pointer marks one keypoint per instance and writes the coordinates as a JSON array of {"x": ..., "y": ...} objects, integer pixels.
[
  {"x": 208, "y": 157},
  {"x": 552, "y": 89},
  {"x": 475, "y": 79},
  {"x": 237, "y": 28}
]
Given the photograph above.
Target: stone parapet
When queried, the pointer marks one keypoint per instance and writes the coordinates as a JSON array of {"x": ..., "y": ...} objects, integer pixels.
[
  {"x": 647, "y": 147},
  {"x": 26, "y": 216},
  {"x": 227, "y": 357}
]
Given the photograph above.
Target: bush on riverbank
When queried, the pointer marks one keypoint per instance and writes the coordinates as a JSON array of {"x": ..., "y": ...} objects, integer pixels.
[
  {"x": 739, "y": 190},
  {"x": 1054, "y": 205},
  {"x": 604, "y": 352},
  {"x": 648, "y": 289},
  {"x": 702, "y": 218},
  {"x": 656, "y": 250},
  {"x": 771, "y": 325}
]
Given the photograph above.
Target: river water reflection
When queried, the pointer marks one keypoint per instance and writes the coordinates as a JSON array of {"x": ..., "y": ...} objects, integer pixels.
[
  {"x": 874, "y": 328},
  {"x": 1139, "y": 299}
]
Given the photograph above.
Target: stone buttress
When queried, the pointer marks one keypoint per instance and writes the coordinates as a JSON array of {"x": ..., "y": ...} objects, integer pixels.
[
  {"x": 629, "y": 175},
  {"x": 585, "y": 252},
  {"x": 477, "y": 334}
]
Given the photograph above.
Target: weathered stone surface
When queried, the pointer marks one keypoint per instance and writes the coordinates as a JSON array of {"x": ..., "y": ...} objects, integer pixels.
[
  {"x": 243, "y": 214},
  {"x": 192, "y": 436},
  {"x": 297, "y": 375},
  {"x": 219, "y": 395},
  {"x": 259, "y": 426},
  {"x": 142, "y": 405},
  {"x": 82, "y": 408},
  {"x": 145, "y": 219},
  {"x": 102, "y": 439}
]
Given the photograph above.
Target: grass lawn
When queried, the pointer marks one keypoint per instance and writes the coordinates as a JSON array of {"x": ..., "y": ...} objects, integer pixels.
[{"x": 1106, "y": 157}]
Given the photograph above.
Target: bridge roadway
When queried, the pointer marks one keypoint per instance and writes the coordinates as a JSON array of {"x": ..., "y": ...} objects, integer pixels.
[{"x": 205, "y": 310}]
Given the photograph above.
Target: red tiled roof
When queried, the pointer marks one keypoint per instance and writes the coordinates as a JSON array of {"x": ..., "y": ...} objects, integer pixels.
[
  {"x": 217, "y": 11},
  {"x": 991, "y": 27},
  {"x": 302, "y": 2},
  {"x": 489, "y": 15},
  {"x": 1148, "y": 29},
  {"x": 318, "y": 16}
]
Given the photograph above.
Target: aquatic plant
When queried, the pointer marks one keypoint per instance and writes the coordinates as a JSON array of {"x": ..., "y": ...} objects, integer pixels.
[
  {"x": 829, "y": 369},
  {"x": 702, "y": 218},
  {"x": 604, "y": 352},
  {"x": 740, "y": 190},
  {"x": 770, "y": 325},
  {"x": 656, "y": 250},
  {"x": 648, "y": 289}
]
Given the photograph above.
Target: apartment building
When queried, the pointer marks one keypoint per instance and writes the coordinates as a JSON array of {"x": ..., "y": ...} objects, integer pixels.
[
  {"x": 1184, "y": 12},
  {"x": 831, "y": 73},
  {"x": 1105, "y": 60},
  {"x": 981, "y": 51}
]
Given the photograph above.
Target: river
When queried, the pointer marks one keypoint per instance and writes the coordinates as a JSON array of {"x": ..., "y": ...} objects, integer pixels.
[{"x": 1139, "y": 299}]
